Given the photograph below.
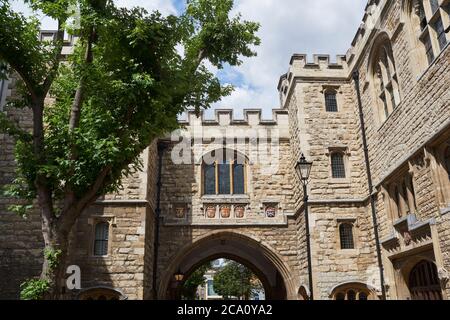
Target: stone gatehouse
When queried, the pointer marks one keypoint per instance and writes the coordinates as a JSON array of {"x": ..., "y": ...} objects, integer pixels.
[{"x": 228, "y": 187}]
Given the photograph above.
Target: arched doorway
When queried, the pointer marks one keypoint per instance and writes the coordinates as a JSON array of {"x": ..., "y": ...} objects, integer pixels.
[
  {"x": 274, "y": 275},
  {"x": 424, "y": 283},
  {"x": 101, "y": 293},
  {"x": 222, "y": 279}
]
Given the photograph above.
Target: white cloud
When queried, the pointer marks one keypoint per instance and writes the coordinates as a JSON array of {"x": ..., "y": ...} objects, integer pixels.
[{"x": 287, "y": 27}]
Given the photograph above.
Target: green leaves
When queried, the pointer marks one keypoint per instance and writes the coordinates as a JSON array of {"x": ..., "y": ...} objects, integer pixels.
[
  {"x": 52, "y": 256},
  {"x": 221, "y": 38},
  {"x": 145, "y": 70},
  {"x": 56, "y": 9},
  {"x": 34, "y": 289},
  {"x": 235, "y": 280}
]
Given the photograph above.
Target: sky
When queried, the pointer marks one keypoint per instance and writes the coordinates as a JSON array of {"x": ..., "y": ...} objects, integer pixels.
[{"x": 287, "y": 27}]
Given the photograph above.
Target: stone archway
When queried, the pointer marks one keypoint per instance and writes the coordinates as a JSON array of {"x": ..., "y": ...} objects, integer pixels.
[{"x": 261, "y": 259}]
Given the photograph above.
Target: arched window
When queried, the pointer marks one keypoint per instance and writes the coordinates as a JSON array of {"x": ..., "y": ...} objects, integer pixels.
[
  {"x": 340, "y": 296},
  {"x": 352, "y": 292},
  {"x": 224, "y": 173},
  {"x": 338, "y": 165},
  {"x": 331, "y": 104},
  {"x": 100, "y": 294},
  {"x": 346, "y": 236},
  {"x": 362, "y": 296},
  {"x": 385, "y": 80},
  {"x": 430, "y": 20},
  {"x": 351, "y": 295},
  {"x": 101, "y": 239}
]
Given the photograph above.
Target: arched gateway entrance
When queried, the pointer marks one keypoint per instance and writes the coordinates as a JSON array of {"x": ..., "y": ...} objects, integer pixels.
[{"x": 262, "y": 260}]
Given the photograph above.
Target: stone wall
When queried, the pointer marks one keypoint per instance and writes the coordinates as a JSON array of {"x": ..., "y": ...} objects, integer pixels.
[
  {"x": 408, "y": 138},
  {"x": 21, "y": 240}
]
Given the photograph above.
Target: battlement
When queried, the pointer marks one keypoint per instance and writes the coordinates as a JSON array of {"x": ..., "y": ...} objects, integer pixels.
[
  {"x": 320, "y": 68},
  {"x": 373, "y": 12},
  {"x": 320, "y": 61},
  {"x": 68, "y": 44},
  {"x": 225, "y": 118}
]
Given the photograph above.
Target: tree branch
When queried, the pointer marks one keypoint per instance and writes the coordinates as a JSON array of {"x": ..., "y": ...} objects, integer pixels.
[
  {"x": 75, "y": 112},
  {"x": 67, "y": 219},
  {"x": 58, "y": 42}
]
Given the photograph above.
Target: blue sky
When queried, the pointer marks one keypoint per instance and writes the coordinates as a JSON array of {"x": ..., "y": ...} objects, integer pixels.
[{"x": 287, "y": 27}]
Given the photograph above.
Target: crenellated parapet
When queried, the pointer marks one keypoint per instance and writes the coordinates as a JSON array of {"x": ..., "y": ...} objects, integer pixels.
[
  {"x": 225, "y": 117},
  {"x": 320, "y": 68},
  {"x": 68, "y": 44},
  {"x": 225, "y": 124}
]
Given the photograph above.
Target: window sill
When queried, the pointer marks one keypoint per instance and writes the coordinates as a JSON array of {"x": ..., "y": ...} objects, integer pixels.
[
  {"x": 445, "y": 211},
  {"x": 342, "y": 181},
  {"x": 349, "y": 252},
  {"x": 226, "y": 198},
  {"x": 100, "y": 257},
  {"x": 433, "y": 62}
]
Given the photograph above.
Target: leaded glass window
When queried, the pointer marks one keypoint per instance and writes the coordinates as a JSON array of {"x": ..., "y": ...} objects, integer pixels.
[
  {"x": 209, "y": 179},
  {"x": 331, "y": 101},
  {"x": 101, "y": 239},
  {"x": 226, "y": 175},
  {"x": 385, "y": 80},
  {"x": 431, "y": 19},
  {"x": 224, "y": 178},
  {"x": 238, "y": 178},
  {"x": 338, "y": 165},
  {"x": 346, "y": 236}
]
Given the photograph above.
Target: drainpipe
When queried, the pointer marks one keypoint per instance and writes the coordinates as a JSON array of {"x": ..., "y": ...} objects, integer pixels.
[
  {"x": 161, "y": 148},
  {"x": 370, "y": 183}
]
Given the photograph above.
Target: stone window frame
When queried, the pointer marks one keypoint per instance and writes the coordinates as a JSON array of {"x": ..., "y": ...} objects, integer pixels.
[
  {"x": 384, "y": 78},
  {"x": 356, "y": 287},
  {"x": 93, "y": 222},
  {"x": 231, "y": 164},
  {"x": 336, "y": 89},
  {"x": 399, "y": 202},
  {"x": 423, "y": 33},
  {"x": 355, "y": 233},
  {"x": 3, "y": 92},
  {"x": 346, "y": 157},
  {"x": 435, "y": 155}
]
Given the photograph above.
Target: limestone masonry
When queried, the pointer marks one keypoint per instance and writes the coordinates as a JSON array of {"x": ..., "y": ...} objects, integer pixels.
[{"x": 230, "y": 190}]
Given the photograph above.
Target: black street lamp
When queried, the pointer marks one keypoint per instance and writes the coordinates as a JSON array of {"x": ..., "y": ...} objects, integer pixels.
[{"x": 303, "y": 169}]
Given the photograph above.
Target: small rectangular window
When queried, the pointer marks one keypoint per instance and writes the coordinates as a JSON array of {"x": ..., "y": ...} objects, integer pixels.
[
  {"x": 101, "y": 239},
  {"x": 346, "y": 236},
  {"x": 338, "y": 166},
  {"x": 331, "y": 102}
]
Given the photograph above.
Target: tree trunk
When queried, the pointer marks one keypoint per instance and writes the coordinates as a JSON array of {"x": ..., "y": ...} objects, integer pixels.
[{"x": 55, "y": 261}]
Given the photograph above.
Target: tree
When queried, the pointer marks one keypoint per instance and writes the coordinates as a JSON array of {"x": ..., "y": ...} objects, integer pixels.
[
  {"x": 123, "y": 87},
  {"x": 235, "y": 280},
  {"x": 197, "y": 279}
]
